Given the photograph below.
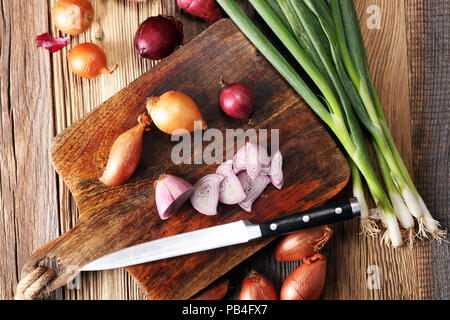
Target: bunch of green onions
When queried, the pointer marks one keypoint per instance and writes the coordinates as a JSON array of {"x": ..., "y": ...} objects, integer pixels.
[{"x": 325, "y": 38}]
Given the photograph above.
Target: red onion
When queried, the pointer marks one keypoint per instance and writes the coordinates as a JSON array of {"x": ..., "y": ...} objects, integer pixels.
[
  {"x": 171, "y": 193},
  {"x": 231, "y": 191},
  {"x": 253, "y": 164},
  {"x": 253, "y": 189},
  {"x": 52, "y": 44},
  {"x": 206, "y": 9},
  {"x": 206, "y": 194},
  {"x": 276, "y": 170},
  {"x": 237, "y": 100},
  {"x": 157, "y": 37},
  {"x": 240, "y": 160}
]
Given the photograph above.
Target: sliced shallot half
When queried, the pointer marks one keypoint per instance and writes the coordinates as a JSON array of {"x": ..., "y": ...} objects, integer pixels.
[
  {"x": 206, "y": 194},
  {"x": 264, "y": 158},
  {"x": 171, "y": 193},
  {"x": 231, "y": 191},
  {"x": 253, "y": 162},
  {"x": 276, "y": 170},
  {"x": 240, "y": 160},
  {"x": 253, "y": 188}
]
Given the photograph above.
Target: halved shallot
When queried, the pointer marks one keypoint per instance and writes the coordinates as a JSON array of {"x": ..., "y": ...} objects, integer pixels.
[
  {"x": 253, "y": 163},
  {"x": 276, "y": 170},
  {"x": 171, "y": 193},
  {"x": 231, "y": 191},
  {"x": 206, "y": 194},
  {"x": 240, "y": 160},
  {"x": 253, "y": 189},
  {"x": 263, "y": 156}
]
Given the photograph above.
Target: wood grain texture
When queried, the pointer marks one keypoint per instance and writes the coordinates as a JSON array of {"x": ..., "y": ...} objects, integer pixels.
[
  {"x": 28, "y": 203},
  {"x": 113, "y": 218},
  {"x": 428, "y": 23},
  {"x": 68, "y": 98}
]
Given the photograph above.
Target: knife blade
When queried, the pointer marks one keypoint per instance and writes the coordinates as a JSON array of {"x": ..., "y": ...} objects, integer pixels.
[{"x": 223, "y": 236}]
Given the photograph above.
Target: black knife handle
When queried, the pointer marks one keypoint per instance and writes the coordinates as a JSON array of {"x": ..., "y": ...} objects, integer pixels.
[{"x": 331, "y": 213}]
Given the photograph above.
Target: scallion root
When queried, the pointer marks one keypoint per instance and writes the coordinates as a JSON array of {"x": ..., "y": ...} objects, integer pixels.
[{"x": 369, "y": 227}]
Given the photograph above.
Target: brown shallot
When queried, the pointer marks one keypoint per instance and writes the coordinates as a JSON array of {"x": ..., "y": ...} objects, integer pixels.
[
  {"x": 174, "y": 111},
  {"x": 215, "y": 291},
  {"x": 88, "y": 61},
  {"x": 302, "y": 244},
  {"x": 73, "y": 16},
  {"x": 125, "y": 154},
  {"x": 257, "y": 287},
  {"x": 307, "y": 281}
]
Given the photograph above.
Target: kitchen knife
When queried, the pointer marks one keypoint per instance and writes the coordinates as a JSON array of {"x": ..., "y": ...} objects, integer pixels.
[{"x": 224, "y": 235}]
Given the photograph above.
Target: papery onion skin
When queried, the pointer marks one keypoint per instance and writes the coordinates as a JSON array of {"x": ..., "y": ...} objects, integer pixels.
[
  {"x": 307, "y": 281},
  {"x": 237, "y": 100},
  {"x": 157, "y": 37},
  {"x": 174, "y": 110},
  {"x": 73, "y": 16},
  {"x": 51, "y": 44},
  {"x": 216, "y": 291},
  {"x": 88, "y": 61},
  {"x": 171, "y": 193},
  {"x": 257, "y": 287},
  {"x": 302, "y": 244},
  {"x": 125, "y": 154},
  {"x": 206, "y": 9}
]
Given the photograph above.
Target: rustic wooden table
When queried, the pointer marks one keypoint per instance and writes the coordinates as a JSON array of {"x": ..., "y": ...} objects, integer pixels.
[{"x": 40, "y": 97}]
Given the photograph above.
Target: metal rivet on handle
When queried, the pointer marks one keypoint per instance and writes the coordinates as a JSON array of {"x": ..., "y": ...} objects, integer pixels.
[
  {"x": 273, "y": 226},
  {"x": 338, "y": 210},
  {"x": 305, "y": 218}
]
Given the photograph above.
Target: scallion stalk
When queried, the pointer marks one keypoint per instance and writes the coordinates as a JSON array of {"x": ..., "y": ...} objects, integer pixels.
[
  {"x": 357, "y": 66},
  {"x": 333, "y": 116}
]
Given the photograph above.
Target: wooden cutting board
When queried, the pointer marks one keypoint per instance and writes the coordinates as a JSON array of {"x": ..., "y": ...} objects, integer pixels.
[{"x": 116, "y": 217}]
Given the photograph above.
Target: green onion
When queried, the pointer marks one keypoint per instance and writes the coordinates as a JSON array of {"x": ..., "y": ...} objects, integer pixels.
[
  {"x": 352, "y": 49},
  {"x": 334, "y": 115}
]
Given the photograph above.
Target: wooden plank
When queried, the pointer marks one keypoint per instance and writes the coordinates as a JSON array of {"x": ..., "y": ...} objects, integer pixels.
[
  {"x": 28, "y": 203},
  {"x": 388, "y": 60},
  {"x": 428, "y": 23},
  {"x": 113, "y": 218},
  {"x": 74, "y": 98},
  {"x": 404, "y": 272}
]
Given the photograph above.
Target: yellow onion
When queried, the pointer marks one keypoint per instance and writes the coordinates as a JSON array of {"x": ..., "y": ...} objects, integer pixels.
[
  {"x": 174, "y": 110},
  {"x": 307, "y": 281},
  {"x": 73, "y": 16},
  {"x": 257, "y": 287},
  {"x": 302, "y": 244},
  {"x": 88, "y": 61},
  {"x": 125, "y": 154}
]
